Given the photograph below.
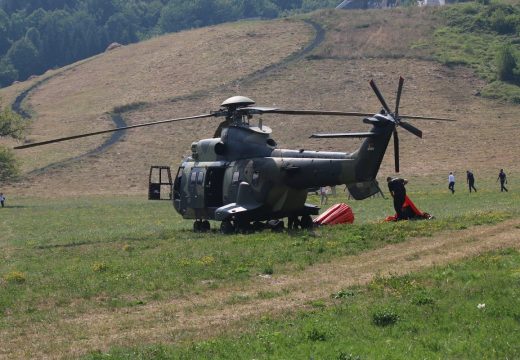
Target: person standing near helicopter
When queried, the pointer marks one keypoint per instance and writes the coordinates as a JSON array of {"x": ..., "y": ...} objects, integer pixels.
[{"x": 397, "y": 189}]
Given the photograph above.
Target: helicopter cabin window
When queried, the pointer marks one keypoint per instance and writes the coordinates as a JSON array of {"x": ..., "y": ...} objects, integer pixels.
[
  {"x": 200, "y": 178},
  {"x": 236, "y": 176},
  {"x": 193, "y": 178}
]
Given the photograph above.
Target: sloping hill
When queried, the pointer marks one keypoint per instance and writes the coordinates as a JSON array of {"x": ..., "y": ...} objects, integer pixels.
[{"x": 192, "y": 72}]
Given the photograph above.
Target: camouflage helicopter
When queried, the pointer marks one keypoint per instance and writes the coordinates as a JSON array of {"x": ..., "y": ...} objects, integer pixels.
[{"x": 240, "y": 178}]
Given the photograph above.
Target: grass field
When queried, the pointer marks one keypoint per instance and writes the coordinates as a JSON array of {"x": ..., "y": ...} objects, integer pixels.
[
  {"x": 467, "y": 310},
  {"x": 67, "y": 257}
]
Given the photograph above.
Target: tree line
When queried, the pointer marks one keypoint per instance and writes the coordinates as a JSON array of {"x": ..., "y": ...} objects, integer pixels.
[{"x": 37, "y": 35}]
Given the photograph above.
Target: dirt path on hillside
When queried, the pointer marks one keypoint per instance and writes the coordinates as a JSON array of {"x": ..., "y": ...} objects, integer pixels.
[
  {"x": 118, "y": 118},
  {"x": 216, "y": 311}
]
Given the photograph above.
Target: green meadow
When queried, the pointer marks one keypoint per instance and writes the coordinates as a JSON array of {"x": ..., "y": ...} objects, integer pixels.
[
  {"x": 74, "y": 255},
  {"x": 467, "y": 310}
]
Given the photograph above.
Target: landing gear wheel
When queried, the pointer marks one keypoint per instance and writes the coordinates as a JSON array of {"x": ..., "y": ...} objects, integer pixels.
[
  {"x": 226, "y": 227},
  {"x": 293, "y": 223},
  {"x": 205, "y": 227},
  {"x": 258, "y": 226},
  {"x": 197, "y": 226},
  {"x": 244, "y": 226},
  {"x": 306, "y": 222},
  {"x": 276, "y": 225}
]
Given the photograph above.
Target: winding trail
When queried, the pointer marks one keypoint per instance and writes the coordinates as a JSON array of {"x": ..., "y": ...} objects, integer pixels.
[
  {"x": 216, "y": 311},
  {"x": 119, "y": 121}
]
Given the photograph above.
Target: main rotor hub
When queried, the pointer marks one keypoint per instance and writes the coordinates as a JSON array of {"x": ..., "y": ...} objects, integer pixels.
[{"x": 237, "y": 101}]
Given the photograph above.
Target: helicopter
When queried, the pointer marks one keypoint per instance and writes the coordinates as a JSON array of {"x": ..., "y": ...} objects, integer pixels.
[{"x": 242, "y": 179}]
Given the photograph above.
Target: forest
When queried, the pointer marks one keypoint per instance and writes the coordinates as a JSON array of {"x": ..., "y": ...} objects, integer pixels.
[{"x": 37, "y": 35}]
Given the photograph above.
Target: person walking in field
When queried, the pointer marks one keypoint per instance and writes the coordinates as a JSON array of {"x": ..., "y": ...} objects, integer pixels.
[
  {"x": 2, "y": 199},
  {"x": 451, "y": 182},
  {"x": 470, "y": 179},
  {"x": 503, "y": 180}
]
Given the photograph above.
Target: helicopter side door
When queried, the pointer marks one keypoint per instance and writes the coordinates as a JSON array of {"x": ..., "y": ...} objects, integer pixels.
[
  {"x": 213, "y": 186},
  {"x": 196, "y": 188}
]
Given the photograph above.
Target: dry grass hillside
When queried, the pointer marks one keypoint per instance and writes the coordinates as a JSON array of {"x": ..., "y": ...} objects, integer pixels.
[{"x": 192, "y": 72}]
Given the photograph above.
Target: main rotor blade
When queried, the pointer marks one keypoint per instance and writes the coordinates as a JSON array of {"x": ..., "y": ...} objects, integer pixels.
[
  {"x": 259, "y": 110},
  {"x": 398, "y": 99},
  {"x": 111, "y": 130},
  {"x": 411, "y": 128},
  {"x": 379, "y": 96},
  {"x": 396, "y": 151},
  {"x": 344, "y": 135},
  {"x": 414, "y": 117}
]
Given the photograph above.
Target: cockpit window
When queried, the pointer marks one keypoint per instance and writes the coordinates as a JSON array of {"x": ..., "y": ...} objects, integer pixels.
[{"x": 193, "y": 177}]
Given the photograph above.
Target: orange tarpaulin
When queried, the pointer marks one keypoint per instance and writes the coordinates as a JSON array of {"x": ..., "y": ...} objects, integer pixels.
[
  {"x": 411, "y": 211},
  {"x": 336, "y": 214}
]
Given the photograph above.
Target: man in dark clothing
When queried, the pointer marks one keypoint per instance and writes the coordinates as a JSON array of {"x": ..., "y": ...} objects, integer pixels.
[
  {"x": 470, "y": 180},
  {"x": 398, "y": 192},
  {"x": 503, "y": 180}
]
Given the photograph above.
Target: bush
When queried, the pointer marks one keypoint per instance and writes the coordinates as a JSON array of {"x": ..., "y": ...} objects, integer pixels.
[
  {"x": 385, "y": 317},
  {"x": 316, "y": 335},
  {"x": 9, "y": 169},
  {"x": 11, "y": 124},
  {"x": 506, "y": 64}
]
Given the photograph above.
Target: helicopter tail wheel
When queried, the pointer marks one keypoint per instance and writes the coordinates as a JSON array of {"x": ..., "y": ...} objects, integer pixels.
[
  {"x": 306, "y": 222},
  {"x": 226, "y": 227}
]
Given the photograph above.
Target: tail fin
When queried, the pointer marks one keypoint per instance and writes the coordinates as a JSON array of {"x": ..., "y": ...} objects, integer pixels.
[{"x": 370, "y": 155}]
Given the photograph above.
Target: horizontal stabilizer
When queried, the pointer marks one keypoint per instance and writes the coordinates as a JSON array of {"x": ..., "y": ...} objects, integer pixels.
[{"x": 344, "y": 135}]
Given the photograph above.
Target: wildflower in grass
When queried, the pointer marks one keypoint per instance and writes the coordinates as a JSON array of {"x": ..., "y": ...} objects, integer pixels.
[
  {"x": 127, "y": 247},
  {"x": 206, "y": 260},
  {"x": 481, "y": 306},
  {"x": 14, "y": 277},
  {"x": 185, "y": 262},
  {"x": 99, "y": 267}
]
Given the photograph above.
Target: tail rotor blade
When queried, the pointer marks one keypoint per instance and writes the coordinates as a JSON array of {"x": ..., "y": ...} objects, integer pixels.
[
  {"x": 396, "y": 151},
  {"x": 398, "y": 99},
  {"x": 379, "y": 96},
  {"x": 411, "y": 128}
]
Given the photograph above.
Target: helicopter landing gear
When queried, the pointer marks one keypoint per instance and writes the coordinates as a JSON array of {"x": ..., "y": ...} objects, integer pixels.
[
  {"x": 303, "y": 222},
  {"x": 243, "y": 226},
  {"x": 306, "y": 222},
  {"x": 276, "y": 225},
  {"x": 293, "y": 223},
  {"x": 201, "y": 226},
  {"x": 226, "y": 227}
]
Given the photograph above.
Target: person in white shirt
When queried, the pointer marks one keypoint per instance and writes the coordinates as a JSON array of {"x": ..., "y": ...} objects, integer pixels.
[
  {"x": 451, "y": 182},
  {"x": 324, "y": 197}
]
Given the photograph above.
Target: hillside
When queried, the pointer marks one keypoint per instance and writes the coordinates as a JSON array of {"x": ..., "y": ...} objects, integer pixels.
[{"x": 192, "y": 72}]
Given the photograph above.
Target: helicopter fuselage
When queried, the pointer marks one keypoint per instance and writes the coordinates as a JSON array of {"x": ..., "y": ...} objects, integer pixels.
[{"x": 242, "y": 174}]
